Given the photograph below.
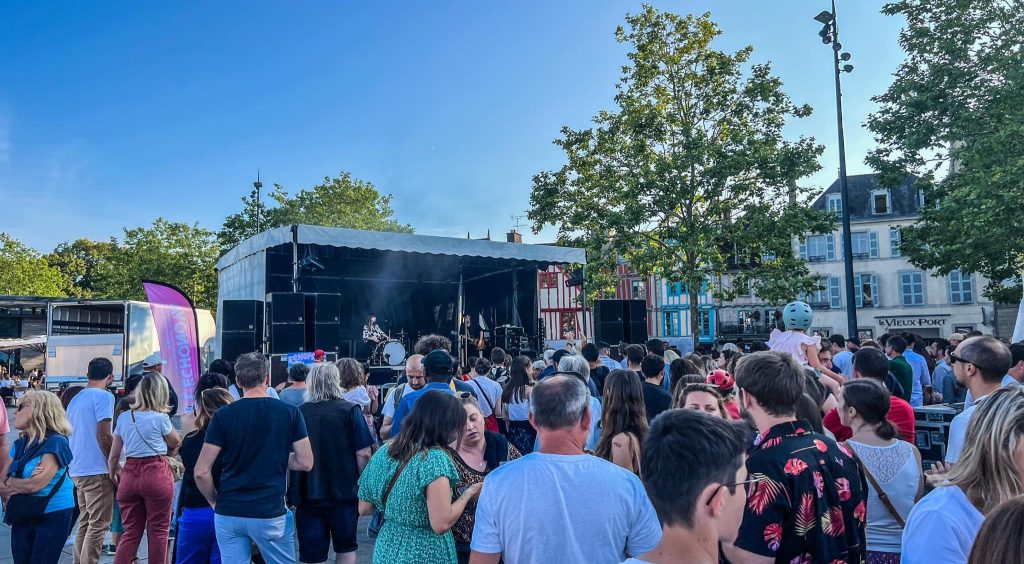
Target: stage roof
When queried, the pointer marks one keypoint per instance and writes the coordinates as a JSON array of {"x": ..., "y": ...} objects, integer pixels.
[{"x": 401, "y": 242}]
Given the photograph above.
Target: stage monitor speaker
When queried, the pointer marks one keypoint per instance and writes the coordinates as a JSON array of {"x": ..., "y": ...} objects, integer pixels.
[
  {"x": 323, "y": 308},
  {"x": 287, "y": 338},
  {"x": 324, "y": 336},
  {"x": 242, "y": 315},
  {"x": 236, "y": 343},
  {"x": 286, "y": 307}
]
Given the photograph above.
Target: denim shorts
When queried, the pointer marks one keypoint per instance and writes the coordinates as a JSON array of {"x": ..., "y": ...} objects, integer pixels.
[{"x": 318, "y": 525}]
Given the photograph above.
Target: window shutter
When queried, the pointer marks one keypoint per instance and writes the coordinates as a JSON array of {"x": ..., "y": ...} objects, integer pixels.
[
  {"x": 874, "y": 290},
  {"x": 803, "y": 249},
  {"x": 873, "y": 244},
  {"x": 835, "y": 299},
  {"x": 894, "y": 242},
  {"x": 830, "y": 246}
]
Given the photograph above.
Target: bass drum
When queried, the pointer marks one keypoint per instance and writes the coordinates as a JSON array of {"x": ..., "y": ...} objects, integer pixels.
[{"x": 391, "y": 353}]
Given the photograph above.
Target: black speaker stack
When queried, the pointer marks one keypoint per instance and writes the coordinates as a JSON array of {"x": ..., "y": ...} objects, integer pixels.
[
  {"x": 323, "y": 329},
  {"x": 620, "y": 321},
  {"x": 242, "y": 330},
  {"x": 286, "y": 321}
]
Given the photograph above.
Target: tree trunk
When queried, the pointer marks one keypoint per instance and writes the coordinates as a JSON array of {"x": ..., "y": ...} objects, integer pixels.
[{"x": 695, "y": 317}]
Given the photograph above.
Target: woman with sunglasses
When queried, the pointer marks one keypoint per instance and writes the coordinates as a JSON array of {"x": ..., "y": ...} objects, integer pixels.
[{"x": 38, "y": 468}]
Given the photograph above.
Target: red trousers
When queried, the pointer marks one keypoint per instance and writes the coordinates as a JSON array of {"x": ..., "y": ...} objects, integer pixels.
[{"x": 145, "y": 494}]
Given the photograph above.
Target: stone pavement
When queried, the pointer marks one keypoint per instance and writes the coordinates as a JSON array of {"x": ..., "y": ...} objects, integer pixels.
[{"x": 365, "y": 552}]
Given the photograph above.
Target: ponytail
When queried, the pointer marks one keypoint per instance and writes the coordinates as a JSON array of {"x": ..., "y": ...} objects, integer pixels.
[
  {"x": 872, "y": 401},
  {"x": 886, "y": 430}
]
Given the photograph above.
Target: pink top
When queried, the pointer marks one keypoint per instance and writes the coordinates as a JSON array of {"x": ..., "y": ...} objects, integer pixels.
[{"x": 791, "y": 341}]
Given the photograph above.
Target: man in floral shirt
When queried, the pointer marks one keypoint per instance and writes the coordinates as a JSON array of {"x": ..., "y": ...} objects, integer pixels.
[{"x": 808, "y": 502}]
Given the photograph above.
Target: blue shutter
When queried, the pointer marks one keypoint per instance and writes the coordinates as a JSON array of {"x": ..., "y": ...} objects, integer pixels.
[
  {"x": 803, "y": 248},
  {"x": 873, "y": 244},
  {"x": 835, "y": 299},
  {"x": 858, "y": 292},
  {"x": 830, "y": 247},
  {"x": 874, "y": 290},
  {"x": 895, "y": 238}
]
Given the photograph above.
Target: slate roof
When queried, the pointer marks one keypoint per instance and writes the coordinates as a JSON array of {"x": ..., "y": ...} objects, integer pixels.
[{"x": 905, "y": 201}]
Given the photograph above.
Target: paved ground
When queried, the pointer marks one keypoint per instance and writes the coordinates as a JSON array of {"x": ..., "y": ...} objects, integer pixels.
[{"x": 365, "y": 543}]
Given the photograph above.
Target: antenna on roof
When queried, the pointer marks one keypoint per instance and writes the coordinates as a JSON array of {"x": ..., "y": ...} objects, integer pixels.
[{"x": 518, "y": 219}]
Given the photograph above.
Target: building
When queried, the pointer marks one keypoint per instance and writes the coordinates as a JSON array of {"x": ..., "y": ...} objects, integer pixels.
[
  {"x": 671, "y": 311},
  {"x": 892, "y": 295}
]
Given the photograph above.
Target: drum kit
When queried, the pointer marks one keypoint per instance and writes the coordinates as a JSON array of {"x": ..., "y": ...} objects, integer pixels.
[{"x": 390, "y": 352}]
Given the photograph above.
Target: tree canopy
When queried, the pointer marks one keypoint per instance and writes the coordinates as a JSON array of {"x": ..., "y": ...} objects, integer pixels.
[
  {"x": 23, "y": 272},
  {"x": 78, "y": 262},
  {"x": 691, "y": 176},
  {"x": 955, "y": 108}
]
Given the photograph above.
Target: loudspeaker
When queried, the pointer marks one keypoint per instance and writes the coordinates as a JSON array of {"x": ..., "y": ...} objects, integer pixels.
[
  {"x": 608, "y": 311},
  {"x": 242, "y": 315},
  {"x": 286, "y": 307},
  {"x": 323, "y": 308},
  {"x": 617, "y": 321},
  {"x": 324, "y": 336},
  {"x": 287, "y": 338},
  {"x": 236, "y": 343}
]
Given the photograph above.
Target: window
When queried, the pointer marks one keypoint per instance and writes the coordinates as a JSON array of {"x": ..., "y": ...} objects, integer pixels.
[
  {"x": 880, "y": 202},
  {"x": 834, "y": 294},
  {"x": 667, "y": 316},
  {"x": 895, "y": 239},
  {"x": 866, "y": 288},
  {"x": 704, "y": 320},
  {"x": 636, "y": 289},
  {"x": 961, "y": 288},
  {"x": 920, "y": 197},
  {"x": 819, "y": 248},
  {"x": 835, "y": 204},
  {"x": 912, "y": 288},
  {"x": 865, "y": 244},
  {"x": 548, "y": 280},
  {"x": 827, "y": 296},
  {"x": 675, "y": 289}
]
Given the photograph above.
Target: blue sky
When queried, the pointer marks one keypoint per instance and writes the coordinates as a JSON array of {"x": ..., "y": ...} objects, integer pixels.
[{"x": 116, "y": 113}]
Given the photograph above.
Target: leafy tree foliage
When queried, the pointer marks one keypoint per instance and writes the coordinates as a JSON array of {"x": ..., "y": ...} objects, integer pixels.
[
  {"x": 78, "y": 261},
  {"x": 24, "y": 273},
  {"x": 691, "y": 178}
]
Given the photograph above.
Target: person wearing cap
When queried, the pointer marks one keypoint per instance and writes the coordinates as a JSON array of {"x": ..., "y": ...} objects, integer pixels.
[
  {"x": 955, "y": 339},
  {"x": 725, "y": 384},
  {"x": 319, "y": 355},
  {"x": 437, "y": 368},
  {"x": 153, "y": 363}
]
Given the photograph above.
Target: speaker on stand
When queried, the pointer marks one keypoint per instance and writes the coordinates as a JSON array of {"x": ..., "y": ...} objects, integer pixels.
[{"x": 242, "y": 328}]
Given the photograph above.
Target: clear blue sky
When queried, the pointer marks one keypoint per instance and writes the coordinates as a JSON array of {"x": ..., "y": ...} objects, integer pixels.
[{"x": 115, "y": 113}]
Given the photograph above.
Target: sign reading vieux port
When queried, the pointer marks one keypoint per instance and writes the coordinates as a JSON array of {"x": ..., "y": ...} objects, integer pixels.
[{"x": 912, "y": 321}]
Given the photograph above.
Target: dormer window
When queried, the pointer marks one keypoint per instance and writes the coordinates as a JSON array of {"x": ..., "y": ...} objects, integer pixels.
[
  {"x": 835, "y": 204},
  {"x": 881, "y": 203}
]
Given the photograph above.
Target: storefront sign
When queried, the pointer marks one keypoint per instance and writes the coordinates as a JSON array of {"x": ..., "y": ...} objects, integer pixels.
[{"x": 912, "y": 321}]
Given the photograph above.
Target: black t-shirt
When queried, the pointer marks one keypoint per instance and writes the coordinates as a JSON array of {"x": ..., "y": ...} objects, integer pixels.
[
  {"x": 597, "y": 375},
  {"x": 656, "y": 400},
  {"x": 191, "y": 446},
  {"x": 255, "y": 436}
]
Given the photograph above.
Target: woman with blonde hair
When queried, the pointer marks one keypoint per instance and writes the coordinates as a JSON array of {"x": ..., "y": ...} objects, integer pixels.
[
  {"x": 38, "y": 469},
  {"x": 145, "y": 488},
  {"x": 943, "y": 525}
]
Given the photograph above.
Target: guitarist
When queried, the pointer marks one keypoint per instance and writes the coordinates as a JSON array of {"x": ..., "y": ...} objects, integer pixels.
[{"x": 471, "y": 340}]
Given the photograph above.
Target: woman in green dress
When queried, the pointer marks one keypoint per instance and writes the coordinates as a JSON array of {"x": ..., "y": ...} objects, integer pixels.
[{"x": 419, "y": 512}]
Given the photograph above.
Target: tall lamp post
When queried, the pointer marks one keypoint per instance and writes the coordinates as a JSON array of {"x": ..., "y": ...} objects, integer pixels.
[
  {"x": 830, "y": 35},
  {"x": 257, "y": 187}
]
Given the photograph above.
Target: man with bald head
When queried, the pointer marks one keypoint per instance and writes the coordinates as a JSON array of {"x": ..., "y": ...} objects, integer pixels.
[
  {"x": 414, "y": 373},
  {"x": 979, "y": 363}
]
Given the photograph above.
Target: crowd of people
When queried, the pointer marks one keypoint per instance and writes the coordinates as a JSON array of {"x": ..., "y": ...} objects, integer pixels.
[{"x": 798, "y": 450}]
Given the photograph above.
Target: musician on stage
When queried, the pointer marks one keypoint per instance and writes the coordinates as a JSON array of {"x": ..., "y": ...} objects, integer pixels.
[
  {"x": 471, "y": 338},
  {"x": 372, "y": 332}
]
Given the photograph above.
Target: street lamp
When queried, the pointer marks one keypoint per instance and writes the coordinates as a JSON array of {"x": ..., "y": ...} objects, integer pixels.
[
  {"x": 257, "y": 187},
  {"x": 830, "y": 35}
]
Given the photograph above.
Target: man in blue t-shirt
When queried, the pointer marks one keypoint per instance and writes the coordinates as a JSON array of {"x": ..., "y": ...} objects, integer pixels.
[
  {"x": 437, "y": 367},
  {"x": 257, "y": 440}
]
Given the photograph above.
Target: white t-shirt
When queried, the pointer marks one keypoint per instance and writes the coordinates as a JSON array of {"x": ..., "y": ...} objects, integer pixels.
[
  {"x": 86, "y": 410},
  {"x": 145, "y": 436},
  {"x": 488, "y": 387},
  {"x": 547, "y": 508},
  {"x": 233, "y": 390},
  {"x": 941, "y": 528},
  {"x": 958, "y": 431}
]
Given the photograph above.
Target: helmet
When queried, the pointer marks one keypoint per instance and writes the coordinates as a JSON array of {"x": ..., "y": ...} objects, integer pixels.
[
  {"x": 797, "y": 315},
  {"x": 721, "y": 380}
]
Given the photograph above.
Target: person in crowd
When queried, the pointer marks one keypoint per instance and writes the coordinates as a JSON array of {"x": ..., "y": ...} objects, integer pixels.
[
  {"x": 604, "y": 351},
  {"x": 623, "y": 421},
  {"x": 798, "y": 318},
  {"x": 700, "y": 397},
  {"x": 726, "y": 386},
  {"x": 432, "y": 342},
  {"x": 870, "y": 343},
  {"x": 145, "y": 486},
  {"x": 725, "y": 355},
  {"x": 235, "y": 389},
  {"x": 256, "y": 440},
  {"x": 656, "y": 399},
  {"x": 578, "y": 367},
  {"x": 325, "y": 500},
  {"x": 730, "y": 368},
  {"x": 808, "y": 502},
  {"x": 412, "y": 480},
  {"x": 1001, "y": 538},
  {"x": 842, "y": 356},
  {"x": 679, "y": 368},
  {"x": 39, "y": 468},
  {"x": 549, "y": 366},
  {"x": 222, "y": 366},
  {"x": 209, "y": 381},
  {"x": 671, "y": 354},
  {"x": 90, "y": 414},
  {"x": 487, "y": 392},
  {"x": 515, "y": 405},
  {"x": 415, "y": 380},
  {"x": 952, "y": 390},
  {"x": 537, "y": 368},
  {"x": 942, "y": 526},
  {"x": 66, "y": 395},
  {"x": 598, "y": 371},
  {"x": 942, "y": 376},
  {"x": 295, "y": 393},
  {"x": 196, "y": 538},
  {"x": 437, "y": 367},
  {"x": 499, "y": 364},
  {"x": 955, "y": 339},
  {"x": 825, "y": 359},
  {"x": 979, "y": 363},
  {"x": 635, "y": 355},
  {"x": 124, "y": 404},
  {"x": 155, "y": 364},
  {"x": 697, "y": 483},
  {"x": 357, "y": 391},
  {"x": 1014, "y": 375},
  {"x": 872, "y": 364},
  {"x": 593, "y": 510},
  {"x": 918, "y": 367},
  {"x": 892, "y": 467},
  {"x": 478, "y": 453},
  {"x": 809, "y": 410},
  {"x": 895, "y": 348}
]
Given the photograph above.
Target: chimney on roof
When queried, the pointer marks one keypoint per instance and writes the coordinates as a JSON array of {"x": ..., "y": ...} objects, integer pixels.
[
  {"x": 513, "y": 237},
  {"x": 488, "y": 234}
]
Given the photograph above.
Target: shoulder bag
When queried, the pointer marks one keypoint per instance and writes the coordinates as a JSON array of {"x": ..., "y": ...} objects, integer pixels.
[
  {"x": 492, "y": 419},
  {"x": 377, "y": 520},
  {"x": 23, "y": 509},
  {"x": 177, "y": 468},
  {"x": 878, "y": 489}
]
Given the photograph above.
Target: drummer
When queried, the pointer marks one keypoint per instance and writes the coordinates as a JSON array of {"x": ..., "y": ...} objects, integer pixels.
[{"x": 372, "y": 332}]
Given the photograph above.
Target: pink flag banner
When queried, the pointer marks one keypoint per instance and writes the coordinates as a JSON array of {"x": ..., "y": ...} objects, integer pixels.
[{"x": 178, "y": 331}]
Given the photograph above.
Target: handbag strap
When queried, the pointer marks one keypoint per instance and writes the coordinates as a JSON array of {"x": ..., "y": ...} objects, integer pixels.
[
  {"x": 878, "y": 489},
  {"x": 484, "y": 394},
  {"x": 391, "y": 485},
  {"x": 141, "y": 436}
]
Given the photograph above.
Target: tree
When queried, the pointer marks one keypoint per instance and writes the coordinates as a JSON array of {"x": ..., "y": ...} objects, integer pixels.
[
  {"x": 78, "y": 262},
  {"x": 177, "y": 253},
  {"x": 337, "y": 202},
  {"x": 24, "y": 273},
  {"x": 955, "y": 108},
  {"x": 692, "y": 175}
]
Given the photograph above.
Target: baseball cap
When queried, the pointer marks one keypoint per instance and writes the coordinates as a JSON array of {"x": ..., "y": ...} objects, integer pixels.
[
  {"x": 319, "y": 353},
  {"x": 152, "y": 360},
  {"x": 539, "y": 365},
  {"x": 437, "y": 362}
]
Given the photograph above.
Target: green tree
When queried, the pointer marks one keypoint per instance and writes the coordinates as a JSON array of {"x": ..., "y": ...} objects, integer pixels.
[
  {"x": 337, "y": 202},
  {"x": 691, "y": 172},
  {"x": 177, "y": 253},
  {"x": 24, "y": 273},
  {"x": 954, "y": 108},
  {"x": 78, "y": 261}
]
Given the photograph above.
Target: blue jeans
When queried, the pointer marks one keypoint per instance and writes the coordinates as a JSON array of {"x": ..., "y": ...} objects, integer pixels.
[
  {"x": 197, "y": 540},
  {"x": 43, "y": 540},
  {"x": 275, "y": 538}
]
